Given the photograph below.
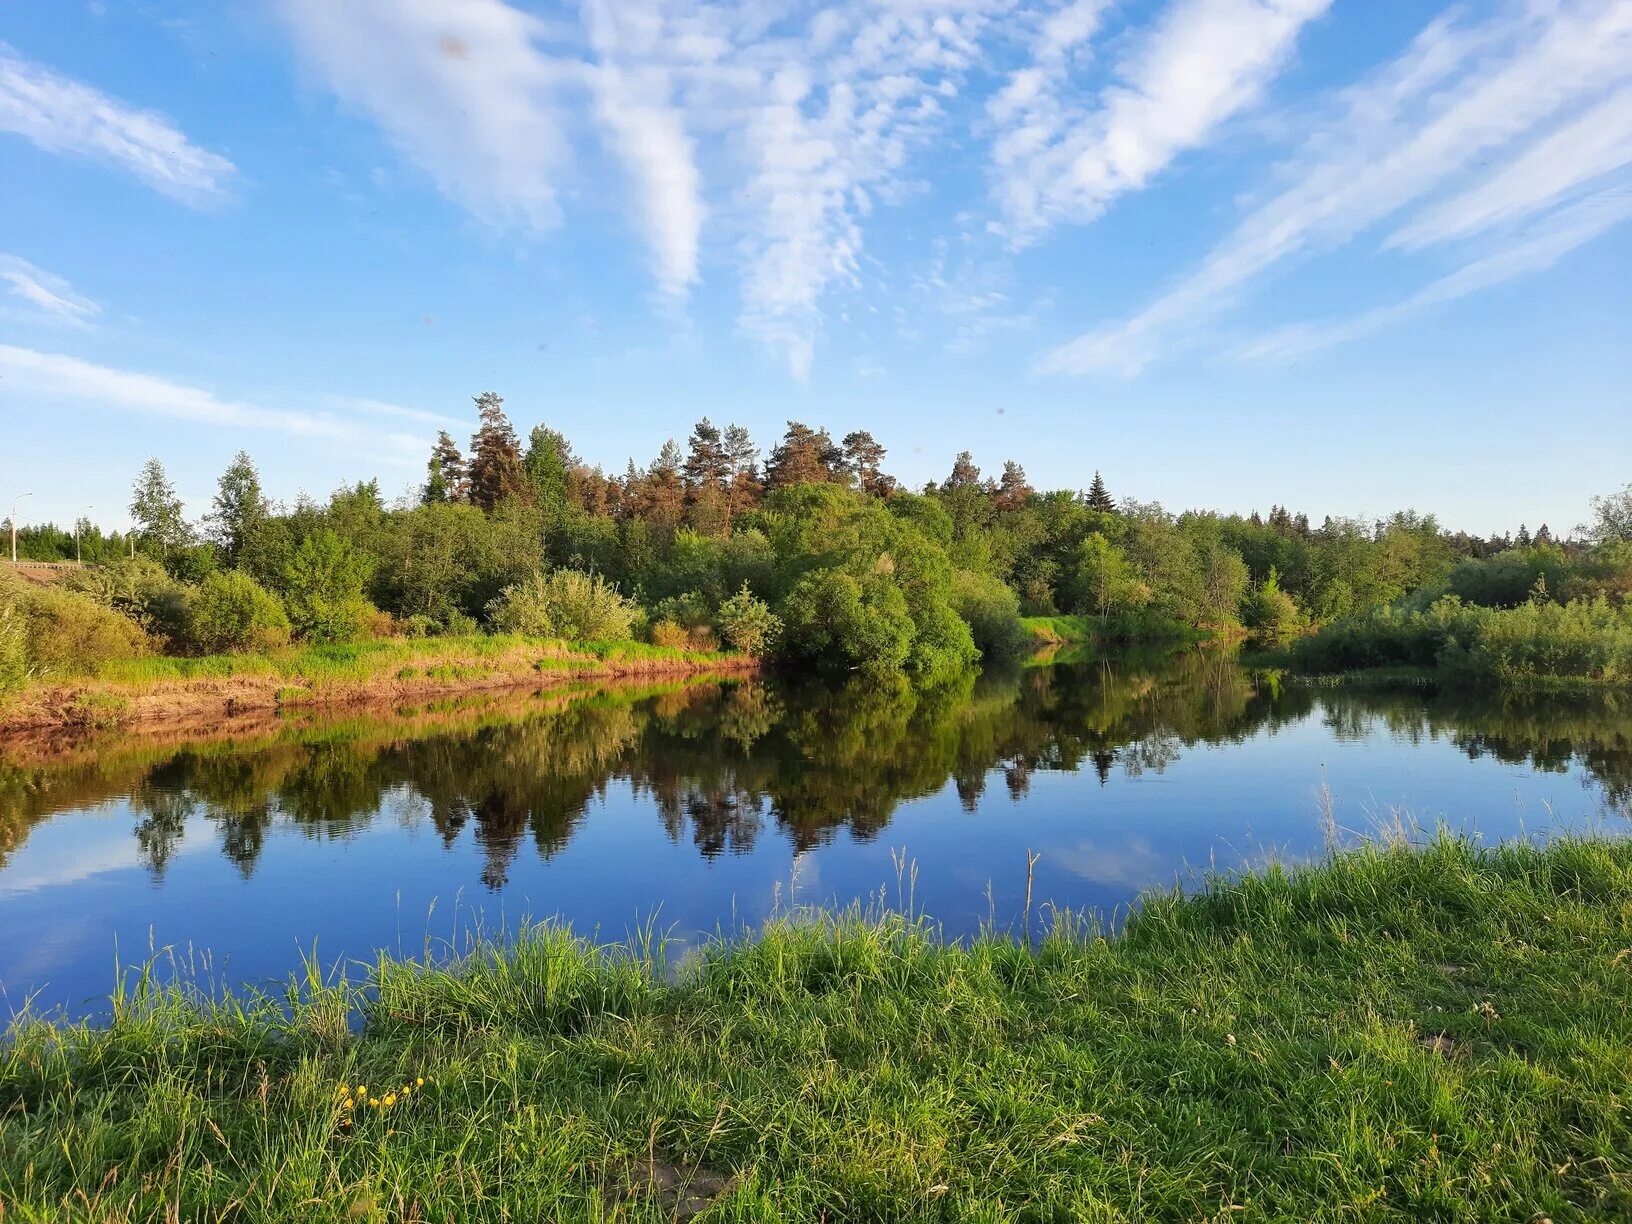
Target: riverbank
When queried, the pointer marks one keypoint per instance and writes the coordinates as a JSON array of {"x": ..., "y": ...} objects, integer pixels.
[
  {"x": 166, "y": 694},
  {"x": 1439, "y": 1033}
]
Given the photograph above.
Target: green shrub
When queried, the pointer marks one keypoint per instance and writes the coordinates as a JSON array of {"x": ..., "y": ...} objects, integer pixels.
[
  {"x": 834, "y": 620},
  {"x": 137, "y": 587},
  {"x": 564, "y": 604},
  {"x": 231, "y": 611},
  {"x": 1270, "y": 615},
  {"x": 460, "y": 625},
  {"x": 992, "y": 612},
  {"x": 747, "y": 624},
  {"x": 14, "y": 666},
  {"x": 323, "y": 589},
  {"x": 70, "y": 633}
]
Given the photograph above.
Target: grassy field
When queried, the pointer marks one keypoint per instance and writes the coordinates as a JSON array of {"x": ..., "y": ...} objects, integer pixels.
[{"x": 1441, "y": 1033}]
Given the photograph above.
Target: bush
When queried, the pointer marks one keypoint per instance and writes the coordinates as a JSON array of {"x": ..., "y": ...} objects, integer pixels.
[
  {"x": 564, "y": 604},
  {"x": 670, "y": 634},
  {"x": 137, "y": 587},
  {"x": 323, "y": 589},
  {"x": 747, "y": 624},
  {"x": 231, "y": 611},
  {"x": 14, "y": 667},
  {"x": 992, "y": 612},
  {"x": 67, "y": 632},
  {"x": 834, "y": 620},
  {"x": 1270, "y": 615}
]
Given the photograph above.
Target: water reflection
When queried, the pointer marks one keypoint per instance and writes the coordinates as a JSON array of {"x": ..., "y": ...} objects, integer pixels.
[{"x": 722, "y": 761}]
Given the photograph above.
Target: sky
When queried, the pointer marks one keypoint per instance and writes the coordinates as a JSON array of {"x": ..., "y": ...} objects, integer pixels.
[{"x": 1344, "y": 255}]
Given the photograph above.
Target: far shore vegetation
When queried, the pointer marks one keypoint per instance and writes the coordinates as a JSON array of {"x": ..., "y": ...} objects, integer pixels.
[
  {"x": 1430, "y": 1032},
  {"x": 809, "y": 557}
]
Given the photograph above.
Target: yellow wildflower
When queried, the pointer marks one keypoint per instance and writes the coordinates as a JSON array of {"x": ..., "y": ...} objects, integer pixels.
[
  {"x": 390, "y": 1100},
  {"x": 373, "y": 1102},
  {"x": 420, "y": 1082}
]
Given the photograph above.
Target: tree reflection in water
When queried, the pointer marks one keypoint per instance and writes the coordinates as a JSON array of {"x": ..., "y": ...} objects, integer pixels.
[{"x": 722, "y": 760}]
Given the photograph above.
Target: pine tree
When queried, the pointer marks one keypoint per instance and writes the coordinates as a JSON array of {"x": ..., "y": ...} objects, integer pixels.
[
  {"x": 1523, "y": 538},
  {"x": 1544, "y": 535},
  {"x": 804, "y": 456},
  {"x": 707, "y": 463},
  {"x": 157, "y": 510},
  {"x": 965, "y": 475},
  {"x": 743, "y": 458},
  {"x": 238, "y": 508},
  {"x": 1013, "y": 490},
  {"x": 1099, "y": 498},
  {"x": 863, "y": 459},
  {"x": 446, "y": 479},
  {"x": 496, "y": 473}
]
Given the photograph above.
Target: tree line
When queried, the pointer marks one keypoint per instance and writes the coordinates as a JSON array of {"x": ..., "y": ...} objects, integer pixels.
[{"x": 810, "y": 551}]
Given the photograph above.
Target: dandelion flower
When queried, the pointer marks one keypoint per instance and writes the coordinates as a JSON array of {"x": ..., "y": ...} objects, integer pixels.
[{"x": 420, "y": 1082}]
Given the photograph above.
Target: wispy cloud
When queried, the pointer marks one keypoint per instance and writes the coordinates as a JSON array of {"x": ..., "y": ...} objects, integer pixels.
[
  {"x": 1590, "y": 145},
  {"x": 1547, "y": 241},
  {"x": 104, "y": 387},
  {"x": 1460, "y": 93},
  {"x": 62, "y": 115},
  {"x": 1198, "y": 64},
  {"x": 467, "y": 92},
  {"x": 47, "y": 294}
]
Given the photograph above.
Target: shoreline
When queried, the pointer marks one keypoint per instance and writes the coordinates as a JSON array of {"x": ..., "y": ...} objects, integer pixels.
[
  {"x": 196, "y": 696},
  {"x": 1396, "y": 1032}
]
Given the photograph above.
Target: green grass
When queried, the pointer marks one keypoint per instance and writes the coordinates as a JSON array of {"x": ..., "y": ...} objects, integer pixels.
[
  {"x": 1442, "y": 1033},
  {"x": 352, "y": 661}
]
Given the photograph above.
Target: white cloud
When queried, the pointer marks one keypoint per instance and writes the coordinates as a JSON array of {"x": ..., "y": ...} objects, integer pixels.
[
  {"x": 62, "y": 115},
  {"x": 46, "y": 293},
  {"x": 1201, "y": 62},
  {"x": 1546, "y": 242},
  {"x": 1587, "y": 147},
  {"x": 465, "y": 91},
  {"x": 101, "y": 387},
  {"x": 633, "y": 85},
  {"x": 1459, "y": 93}
]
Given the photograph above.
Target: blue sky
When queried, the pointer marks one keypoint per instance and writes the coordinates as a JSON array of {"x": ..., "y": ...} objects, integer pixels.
[{"x": 1350, "y": 255}]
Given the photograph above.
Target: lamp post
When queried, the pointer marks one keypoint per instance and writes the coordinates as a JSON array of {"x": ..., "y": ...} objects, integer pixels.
[
  {"x": 78, "y": 519},
  {"x": 14, "y": 502}
]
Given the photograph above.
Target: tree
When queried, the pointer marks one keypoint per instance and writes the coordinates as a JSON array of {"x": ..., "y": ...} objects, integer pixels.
[
  {"x": 746, "y": 623},
  {"x": 496, "y": 473},
  {"x": 238, "y": 508},
  {"x": 707, "y": 463},
  {"x": 965, "y": 475},
  {"x": 804, "y": 456},
  {"x": 157, "y": 510},
  {"x": 1544, "y": 534},
  {"x": 323, "y": 588},
  {"x": 446, "y": 478},
  {"x": 1611, "y": 518},
  {"x": 1523, "y": 538},
  {"x": 863, "y": 459},
  {"x": 1013, "y": 491},
  {"x": 548, "y": 461},
  {"x": 1102, "y": 580},
  {"x": 1099, "y": 497},
  {"x": 743, "y": 457}
]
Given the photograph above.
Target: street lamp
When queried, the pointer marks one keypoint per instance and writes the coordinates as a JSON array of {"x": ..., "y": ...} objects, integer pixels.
[
  {"x": 14, "y": 502},
  {"x": 79, "y": 518}
]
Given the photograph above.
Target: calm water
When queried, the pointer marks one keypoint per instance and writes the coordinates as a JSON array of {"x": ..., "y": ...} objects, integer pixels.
[{"x": 710, "y": 804}]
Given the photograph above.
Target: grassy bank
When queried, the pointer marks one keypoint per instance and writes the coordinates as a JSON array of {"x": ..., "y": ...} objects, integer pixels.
[
  {"x": 172, "y": 691},
  {"x": 1441, "y": 1034}
]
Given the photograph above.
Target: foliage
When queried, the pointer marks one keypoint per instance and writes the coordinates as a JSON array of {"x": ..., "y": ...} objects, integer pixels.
[
  {"x": 238, "y": 508},
  {"x": 1611, "y": 518},
  {"x": 747, "y": 623},
  {"x": 15, "y": 668},
  {"x": 564, "y": 604},
  {"x": 322, "y": 588},
  {"x": 231, "y": 611},
  {"x": 992, "y": 612},
  {"x": 1270, "y": 615},
  {"x": 1394, "y": 1034},
  {"x": 1536, "y": 641},
  {"x": 157, "y": 510},
  {"x": 69, "y": 633}
]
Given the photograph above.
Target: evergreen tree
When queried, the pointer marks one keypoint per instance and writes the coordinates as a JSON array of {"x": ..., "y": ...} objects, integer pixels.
[
  {"x": 1099, "y": 498},
  {"x": 707, "y": 463},
  {"x": 1013, "y": 490},
  {"x": 548, "y": 463},
  {"x": 496, "y": 473},
  {"x": 157, "y": 510},
  {"x": 1523, "y": 538},
  {"x": 238, "y": 508},
  {"x": 965, "y": 475},
  {"x": 804, "y": 456},
  {"x": 1543, "y": 535},
  {"x": 743, "y": 458},
  {"x": 863, "y": 459},
  {"x": 446, "y": 480}
]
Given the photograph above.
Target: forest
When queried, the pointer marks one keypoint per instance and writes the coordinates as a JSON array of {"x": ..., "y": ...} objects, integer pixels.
[{"x": 811, "y": 555}]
